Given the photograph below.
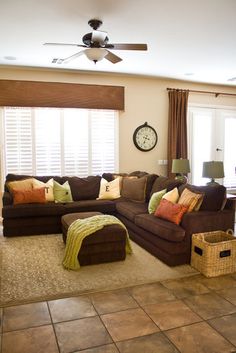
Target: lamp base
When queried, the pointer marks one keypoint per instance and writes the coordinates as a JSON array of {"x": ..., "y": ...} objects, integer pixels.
[
  {"x": 212, "y": 183},
  {"x": 182, "y": 178}
]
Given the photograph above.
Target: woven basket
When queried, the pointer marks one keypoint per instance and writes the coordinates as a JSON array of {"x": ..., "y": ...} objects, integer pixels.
[{"x": 214, "y": 253}]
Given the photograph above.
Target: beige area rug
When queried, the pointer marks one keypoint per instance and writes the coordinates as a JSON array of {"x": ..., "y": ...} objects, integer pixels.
[{"x": 31, "y": 270}]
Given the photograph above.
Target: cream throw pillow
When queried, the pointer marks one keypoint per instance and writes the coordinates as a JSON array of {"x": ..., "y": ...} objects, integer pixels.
[
  {"x": 172, "y": 195},
  {"x": 109, "y": 190},
  {"x": 190, "y": 199},
  {"x": 37, "y": 184}
]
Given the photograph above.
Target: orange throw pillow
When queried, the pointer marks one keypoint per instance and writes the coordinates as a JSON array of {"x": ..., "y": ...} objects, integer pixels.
[
  {"x": 170, "y": 211},
  {"x": 29, "y": 196}
]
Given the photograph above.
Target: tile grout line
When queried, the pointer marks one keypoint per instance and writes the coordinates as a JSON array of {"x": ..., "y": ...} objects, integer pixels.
[{"x": 53, "y": 327}]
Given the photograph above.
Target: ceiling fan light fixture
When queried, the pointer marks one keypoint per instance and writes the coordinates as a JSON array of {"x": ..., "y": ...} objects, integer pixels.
[{"x": 95, "y": 54}]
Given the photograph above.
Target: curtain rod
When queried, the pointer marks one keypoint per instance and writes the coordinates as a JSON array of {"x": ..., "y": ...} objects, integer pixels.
[{"x": 204, "y": 92}]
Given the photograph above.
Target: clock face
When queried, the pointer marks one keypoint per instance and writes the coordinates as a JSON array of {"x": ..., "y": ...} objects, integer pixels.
[{"x": 145, "y": 137}]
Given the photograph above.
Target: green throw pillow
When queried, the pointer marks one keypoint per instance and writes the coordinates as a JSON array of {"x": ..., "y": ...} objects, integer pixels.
[
  {"x": 62, "y": 193},
  {"x": 155, "y": 200}
]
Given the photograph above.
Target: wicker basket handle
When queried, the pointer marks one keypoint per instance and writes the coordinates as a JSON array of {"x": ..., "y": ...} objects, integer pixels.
[{"x": 230, "y": 231}]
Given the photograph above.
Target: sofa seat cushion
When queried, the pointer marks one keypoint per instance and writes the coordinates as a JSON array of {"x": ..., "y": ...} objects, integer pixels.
[
  {"x": 33, "y": 210},
  {"x": 162, "y": 228},
  {"x": 131, "y": 209},
  {"x": 104, "y": 206}
]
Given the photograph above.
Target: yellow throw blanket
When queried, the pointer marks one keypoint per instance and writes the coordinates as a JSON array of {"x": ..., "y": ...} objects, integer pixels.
[{"x": 80, "y": 229}]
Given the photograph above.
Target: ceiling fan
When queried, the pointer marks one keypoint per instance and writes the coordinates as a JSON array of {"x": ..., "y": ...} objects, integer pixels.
[{"x": 97, "y": 46}]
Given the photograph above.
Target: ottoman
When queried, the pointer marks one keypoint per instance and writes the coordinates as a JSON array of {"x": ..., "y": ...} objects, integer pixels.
[{"x": 105, "y": 245}]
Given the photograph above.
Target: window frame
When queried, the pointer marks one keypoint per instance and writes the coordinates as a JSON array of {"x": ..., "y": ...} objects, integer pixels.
[{"x": 218, "y": 121}]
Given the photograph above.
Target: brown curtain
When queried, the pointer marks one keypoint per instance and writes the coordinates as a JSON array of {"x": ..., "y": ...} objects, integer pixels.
[{"x": 177, "y": 126}]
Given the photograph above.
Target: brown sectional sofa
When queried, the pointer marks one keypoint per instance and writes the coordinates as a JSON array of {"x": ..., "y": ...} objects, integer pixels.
[{"x": 169, "y": 242}]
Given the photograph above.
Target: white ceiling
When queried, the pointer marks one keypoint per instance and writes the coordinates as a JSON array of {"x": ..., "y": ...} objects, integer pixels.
[{"x": 187, "y": 39}]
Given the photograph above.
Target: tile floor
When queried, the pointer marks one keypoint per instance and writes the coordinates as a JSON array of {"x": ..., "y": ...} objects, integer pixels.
[{"x": 190, "y": 315}]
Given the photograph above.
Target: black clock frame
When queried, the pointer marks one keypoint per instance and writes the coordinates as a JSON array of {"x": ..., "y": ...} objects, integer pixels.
[{"x": 135, "y": 134}]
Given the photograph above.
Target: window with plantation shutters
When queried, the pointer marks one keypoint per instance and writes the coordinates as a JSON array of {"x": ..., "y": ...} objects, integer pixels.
[{"x": 51, "y": 141}]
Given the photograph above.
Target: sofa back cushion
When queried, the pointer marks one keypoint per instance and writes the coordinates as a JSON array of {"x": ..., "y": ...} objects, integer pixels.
[
  {"x": 214, "y": 196},
  {"x": 84, "y": 188},
  {"x": 162, "y": 182}
]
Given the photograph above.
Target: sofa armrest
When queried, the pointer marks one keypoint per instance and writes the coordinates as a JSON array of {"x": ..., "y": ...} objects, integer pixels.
[
  {"x": 207, "y": 221},
  {"x": 7, "y": 199},
  {"x": 230, "y": 202}
]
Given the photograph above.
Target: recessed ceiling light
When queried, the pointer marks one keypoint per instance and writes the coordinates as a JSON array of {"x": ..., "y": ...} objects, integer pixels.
[
  {"x": 10, "y": 57},
  {"x": 232, "y": 79},
  {"x": 189, "y": 73}
]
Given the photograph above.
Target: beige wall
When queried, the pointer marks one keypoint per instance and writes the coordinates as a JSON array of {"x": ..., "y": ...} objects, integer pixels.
[{"x": 146, "y": 99}]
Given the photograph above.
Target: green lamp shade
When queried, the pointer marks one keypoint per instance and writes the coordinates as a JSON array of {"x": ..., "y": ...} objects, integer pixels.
[
  {"x": 213, "y": 170},
  {"x": 180, "y": 166}
]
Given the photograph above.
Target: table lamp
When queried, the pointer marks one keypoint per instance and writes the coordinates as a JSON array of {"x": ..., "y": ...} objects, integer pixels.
[
  {"x": 180, "y": 167},
  {"x": 213, "y": 170}
]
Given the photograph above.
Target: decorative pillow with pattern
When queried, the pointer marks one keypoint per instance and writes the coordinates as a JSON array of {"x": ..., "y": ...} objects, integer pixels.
[{"x": 191, "y": 200}]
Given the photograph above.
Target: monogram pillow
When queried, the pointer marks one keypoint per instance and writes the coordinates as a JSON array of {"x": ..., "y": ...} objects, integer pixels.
[{"x": 109, "y": 190}]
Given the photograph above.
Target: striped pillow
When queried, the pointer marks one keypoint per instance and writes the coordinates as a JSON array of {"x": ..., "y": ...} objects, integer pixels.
[{"x": 191, "y": 199}]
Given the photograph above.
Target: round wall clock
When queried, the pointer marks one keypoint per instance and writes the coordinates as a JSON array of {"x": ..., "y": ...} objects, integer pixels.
[{"x": 145, "y": 137}]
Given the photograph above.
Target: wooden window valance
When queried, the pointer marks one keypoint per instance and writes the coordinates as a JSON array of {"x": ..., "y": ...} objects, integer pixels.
[{"x": 62, "y": 95}]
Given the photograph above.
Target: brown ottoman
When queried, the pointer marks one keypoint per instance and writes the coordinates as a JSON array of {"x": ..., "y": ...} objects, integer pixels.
[{"x": 105, "y": 245}]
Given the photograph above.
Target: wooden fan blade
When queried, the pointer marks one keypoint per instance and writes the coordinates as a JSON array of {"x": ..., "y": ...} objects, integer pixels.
[
  {"x": 112, "y": 57},
  {"x": 72, "y": 57},
  {"x": 69, "y": 44},
  {"x": 125, "y": 46}
]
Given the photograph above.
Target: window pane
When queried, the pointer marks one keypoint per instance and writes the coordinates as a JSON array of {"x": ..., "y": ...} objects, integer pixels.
[
  {"x": 201, "y": 144},
  {"x": 229, "y": 153}
]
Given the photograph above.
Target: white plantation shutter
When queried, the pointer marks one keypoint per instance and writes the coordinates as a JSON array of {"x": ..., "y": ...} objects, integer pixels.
[
  {"x": 18, "y": 141},
  {"x": 103, "y": 131},
  {"x": 76, "y": 142},
  {"x": 47, "y": 141},
  {"x": 51, "y": 141}
]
